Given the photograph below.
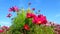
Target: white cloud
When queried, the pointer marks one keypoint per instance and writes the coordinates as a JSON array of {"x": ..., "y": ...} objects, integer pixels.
[
  {"x": 57, "y": 15},
  {"x": 3, "y": 23}
]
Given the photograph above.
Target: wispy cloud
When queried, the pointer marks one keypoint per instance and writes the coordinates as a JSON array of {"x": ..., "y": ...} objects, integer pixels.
[
  {"x": 3, "y": 23},
  {"x": 57, "y": 16}
]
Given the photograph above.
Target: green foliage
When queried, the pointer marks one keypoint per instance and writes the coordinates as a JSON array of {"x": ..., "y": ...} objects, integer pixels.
[{"x": 18, "y": 22}]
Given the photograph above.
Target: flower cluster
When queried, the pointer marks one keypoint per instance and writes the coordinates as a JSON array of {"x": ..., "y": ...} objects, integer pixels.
[
  {"x": 4, "y": 29},
  {"x": 57, "y": 29},
  {"x": 12, "y": 9},
  {"x": 27, "y": 22},
  {"x": 40, "y": 19},
  {"x": 1, "y": 30}
]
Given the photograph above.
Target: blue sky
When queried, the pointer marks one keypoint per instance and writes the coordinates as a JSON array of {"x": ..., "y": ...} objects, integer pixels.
[{"x": 50, "y": 8}]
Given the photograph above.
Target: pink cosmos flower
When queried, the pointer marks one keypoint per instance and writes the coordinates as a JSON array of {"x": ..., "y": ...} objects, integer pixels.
[
  {"x": 1, "y": 30},
  {"x": 33, "y": 8},
  {"x": 47, "y": 24},
  {"x": 39, "y": 20},
  {"x": 14, "y": 9},
  {"x": 42, "y": 19},
  {"x": 9, "y": 15},
  {"x": 30, "y": 15},
  {"x": 5, "y": 27}
]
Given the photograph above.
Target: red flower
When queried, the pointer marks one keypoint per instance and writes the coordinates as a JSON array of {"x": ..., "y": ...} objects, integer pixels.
[
  {"x": 26, "y": 27},
  {"x": 1, "y": 30},
  {"x": 30, "y": 15},
  {"x": 33, "y": 8},
  {"x": 39, "y": 20},
  {"x": 13, "y": 9},
  {"x": 9, "y": 15}
]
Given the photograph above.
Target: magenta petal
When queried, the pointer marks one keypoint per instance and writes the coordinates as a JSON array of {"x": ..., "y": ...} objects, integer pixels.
[{"x": 1, "y": 31}]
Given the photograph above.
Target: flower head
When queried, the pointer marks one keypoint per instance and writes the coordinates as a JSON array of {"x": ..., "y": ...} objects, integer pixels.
[
  {"x": 42, "y": 19},
  {"x": 9, "y": 15},
  {"x": 39, "y": 20},
  {"x": 13, "y": 9},
  {"x": 1, "y": 30},
  {"x": 33, "y": 8},
  {"x": 26, "y": 27},
  {"x": 30, "y": 15},
  {"x": 5, "y": 27}
]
